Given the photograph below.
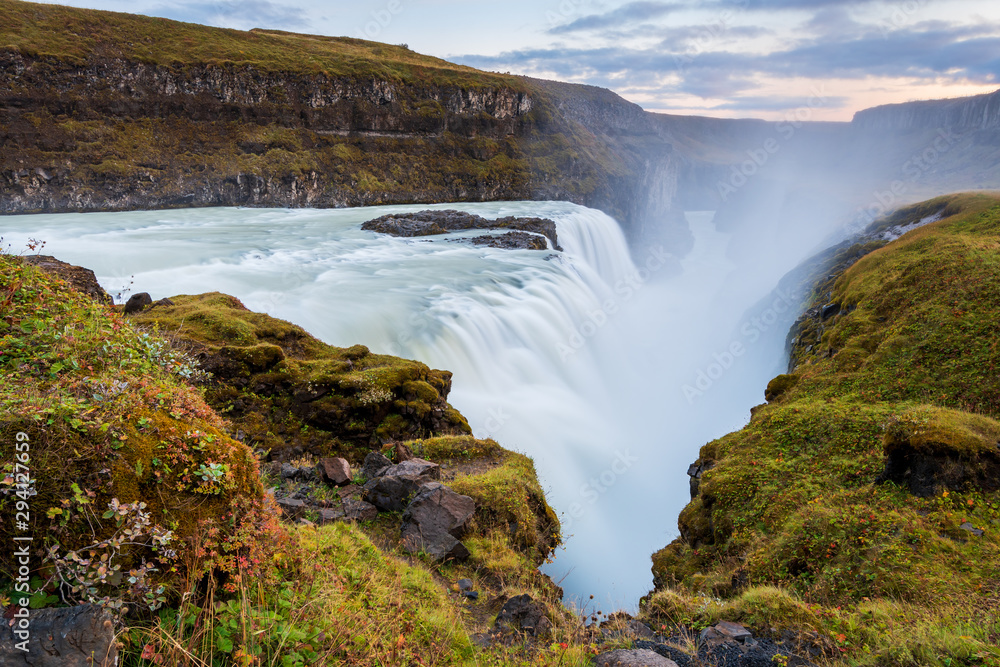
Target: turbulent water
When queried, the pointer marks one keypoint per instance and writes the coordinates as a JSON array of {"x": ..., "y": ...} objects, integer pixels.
[{"x": 610, "y": 372}]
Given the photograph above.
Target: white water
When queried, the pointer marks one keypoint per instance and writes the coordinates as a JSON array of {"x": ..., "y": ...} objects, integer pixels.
[{"x": 578, "y": 359}]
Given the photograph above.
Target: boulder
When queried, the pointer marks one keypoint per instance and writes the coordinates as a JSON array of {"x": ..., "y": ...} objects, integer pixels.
[
  {"x": 733, "y": 631},
  {"x": 81, "y": 636},
  {"x": 81, "y": 279},
  {"x": 374, "y": 465},
  {"x": 521, "y": 614},
  {"x": 434, "y": 521},
  {"x": 632, "y": 658},
  {"x": 137, "y": 302},
  {"x": 291, "y": 508},
  {"x": 392, "y": 489},
  {"x": 359, "y": 510},
  {"x": 403, "y": 453},
  {"x": 335, "y": 471}
]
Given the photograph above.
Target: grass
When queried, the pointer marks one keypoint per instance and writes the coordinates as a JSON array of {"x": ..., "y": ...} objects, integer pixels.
[
  {"x": 809, "y": 518},
  {"x": 80, "y": 35}
]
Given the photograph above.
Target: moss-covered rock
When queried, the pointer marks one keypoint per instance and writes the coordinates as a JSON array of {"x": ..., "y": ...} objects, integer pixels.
[
  {"x": 110, "y": 422},
  {"x": 288, "y": 393}
]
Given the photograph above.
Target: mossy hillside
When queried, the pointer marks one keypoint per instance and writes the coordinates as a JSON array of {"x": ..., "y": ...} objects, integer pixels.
[
  {"x": 289, "y": 393},
  {"x": 850, "y": 490},
  {"x": 82, "y": 35},
  {"x": 110, "y": 418}
]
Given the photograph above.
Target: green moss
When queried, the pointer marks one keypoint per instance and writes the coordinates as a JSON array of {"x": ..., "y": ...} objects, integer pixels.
[
  {"x": 801, "y": 504},
  {"x": 289, "y": 392}
]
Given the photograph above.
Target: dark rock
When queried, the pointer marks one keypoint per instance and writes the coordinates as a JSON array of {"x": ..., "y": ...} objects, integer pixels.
[
  {"x": 733, "y": 631},
  {"x": 288, "y": 471},
  {"x": 521, "y": 614},
  {"x": 161, "y": 303},
  {"x": 403, "y": 453},
  {"x": 695, "y": 471},
  {"x": 330, "y": 515},
  {"x": 81, "y": 636},
  {"x": 972, "y": 529},
  {"x": 81, "y": 279},
  {"x": 359, "y": 510},
  {"x": 472, "y": 595},
  {"x": 509, "y": 241},
  {"x": 434, "y": 521},
  {"x": 632, "y": 658},
  {"x": 349, "y": 490},
  {"x": 291, "y": 508},
  {"x": 392, "y": 489},
  {"x": 374, "y": 465},
  {"x": 465, "y": 585},
  {"x": 430, "y": 223},
  {"x": 829, "y": 310},
  {"x": 336, "y": 471},
  {"x": 711, "y": 637},
  {"x": 137, "y": 302}
]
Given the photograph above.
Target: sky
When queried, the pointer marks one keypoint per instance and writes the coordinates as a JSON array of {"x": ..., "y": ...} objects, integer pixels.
[{"x": 726, "y": 58}]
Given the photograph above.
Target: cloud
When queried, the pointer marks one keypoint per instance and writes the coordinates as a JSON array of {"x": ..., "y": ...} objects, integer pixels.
[
  {"x": 632, "y": 12},
  {"x": 931, "y": 50},
  {"x": 761, "y": 103},
  {"x": 243, "y": 14}
]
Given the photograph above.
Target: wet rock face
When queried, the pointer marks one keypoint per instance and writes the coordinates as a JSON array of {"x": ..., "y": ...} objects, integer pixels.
[
  {"x": 926, "y": 473},
  {"x": 431, "y": 223},
  {"x": 83, "y": 280},
  {"x": 81, "y": 636}
]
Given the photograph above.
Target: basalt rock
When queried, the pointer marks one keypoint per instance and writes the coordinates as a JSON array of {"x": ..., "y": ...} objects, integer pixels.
[
  {"x": 81, "y": 279},
  {"x": 522, "y": 615},
  {"x": 82, "y": 636},
  {"x": 137, "y": 302},
  {"x": 435, "y": 520},
  {"x": 434, "y": 222},
  {"x": 392, "y": 489}
]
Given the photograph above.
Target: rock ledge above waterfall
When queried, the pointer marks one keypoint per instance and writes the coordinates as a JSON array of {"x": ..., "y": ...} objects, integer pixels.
[{"x": 432, "y": 223}]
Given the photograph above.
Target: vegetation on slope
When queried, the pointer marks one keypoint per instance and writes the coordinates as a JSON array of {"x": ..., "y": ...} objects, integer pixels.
[
  {"x": 862, "y": 503},
  {"x": 203, "y": 573}
]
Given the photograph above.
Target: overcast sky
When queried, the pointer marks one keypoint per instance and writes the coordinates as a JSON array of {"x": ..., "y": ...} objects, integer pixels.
[{"x": 732, "y": 58}]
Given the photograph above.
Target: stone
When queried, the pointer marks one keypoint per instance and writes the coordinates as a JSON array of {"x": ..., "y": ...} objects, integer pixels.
[
  {"x": 464, "y": 585},
  {"x": 359, "y": 510},
  {"x": 433, "y": 222},
  {"x": 291, "y": 508},
  {"x": 403, "y": 453},
  {"x": 632, "y": 658},
  {"x": 471, "y": 595},
  {"x": 521, "y": 614},
  {"x": 161, "y": 303},
  {"x": 137, "y": 302},
  {"x": 81, "y": 636},
  {"x": 829, "y": 310},
  {"x": 336, "y": 471},
  {"x": 374, "y": 465},
  {"x": 711, "y": 637},
  {"x": 392, "y": 489},
  {"x": 972, "y": 529},
  {"x": 81, "y": 279},
  {"x": 435, "y": 520},
  {"x": 733, "y": 631}
]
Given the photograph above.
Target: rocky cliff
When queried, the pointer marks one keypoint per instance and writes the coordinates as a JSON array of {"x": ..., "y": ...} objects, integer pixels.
[{"x": 980, "y": 112}]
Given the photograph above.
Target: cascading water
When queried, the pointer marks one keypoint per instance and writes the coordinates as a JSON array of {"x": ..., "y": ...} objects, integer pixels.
[{"x": 581, "y": 359}]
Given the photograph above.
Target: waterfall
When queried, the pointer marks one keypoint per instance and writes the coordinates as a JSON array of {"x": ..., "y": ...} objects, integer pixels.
[{"x": 576, "y": 358}]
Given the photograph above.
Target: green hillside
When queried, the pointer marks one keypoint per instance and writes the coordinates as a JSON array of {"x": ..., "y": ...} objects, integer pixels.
[{"x": 863, "y": 501}]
